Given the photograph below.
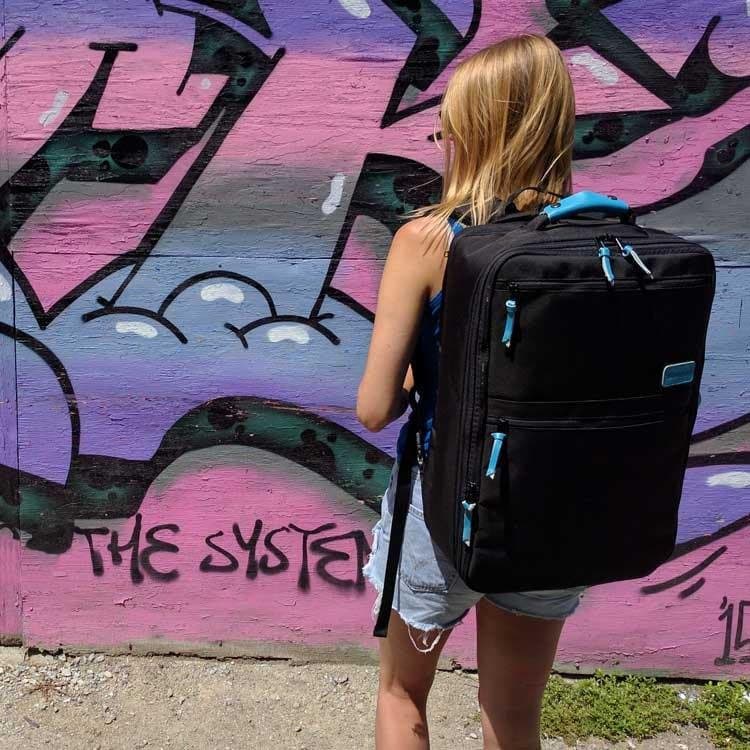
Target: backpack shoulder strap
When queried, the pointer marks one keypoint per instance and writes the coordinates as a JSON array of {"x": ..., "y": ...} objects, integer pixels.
[
  {"x": 401, "y": 504},
  {"x": 398, "y": 525}
]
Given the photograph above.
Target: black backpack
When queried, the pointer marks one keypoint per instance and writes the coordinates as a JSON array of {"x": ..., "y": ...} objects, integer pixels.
[{"x": 572, "y": 349}]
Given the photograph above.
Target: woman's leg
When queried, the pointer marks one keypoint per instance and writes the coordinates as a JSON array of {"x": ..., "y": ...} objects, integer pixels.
[
  {"x": 515, "y": 655},
  {"x": 406, "y": 676}
]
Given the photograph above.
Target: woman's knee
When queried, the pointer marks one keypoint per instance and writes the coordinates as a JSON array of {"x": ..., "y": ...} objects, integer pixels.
[
  {"x": 510, "y": 723},
  {"x": 406, "y": 670},
  {"x": 412, "y": 688}
]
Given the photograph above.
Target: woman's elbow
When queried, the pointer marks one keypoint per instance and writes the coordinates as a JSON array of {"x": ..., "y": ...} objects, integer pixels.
[
  {"x": 371, "y": 419},
  {"x": 370, "y": 410}
]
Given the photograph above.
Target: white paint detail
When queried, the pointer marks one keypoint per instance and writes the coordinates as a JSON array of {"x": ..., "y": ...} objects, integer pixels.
[
  {"x": 298, "y": 334},
  {"x": 603, "y": 71},
  {"x": 48, "y": 117},
  {"x": 145, "y": 330},
  {"x": 333, "y": 201},
  {"x": 205, "y": 83},
  {"x": 360, "y": 8},
  {"x": 229, "y": 292},
  {"x": 6, "y": 293},
  {"x": 738, "y": 480}
]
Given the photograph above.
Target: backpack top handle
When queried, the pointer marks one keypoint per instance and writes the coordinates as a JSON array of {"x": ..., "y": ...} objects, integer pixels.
[{"x": 585, "y": 202}]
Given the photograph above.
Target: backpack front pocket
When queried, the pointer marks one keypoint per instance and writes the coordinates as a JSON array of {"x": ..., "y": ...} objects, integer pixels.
[
  {"x": 571, "y": 342},
  {"x": 595, "y": 493},
  {"x": 579, "y": 496}
]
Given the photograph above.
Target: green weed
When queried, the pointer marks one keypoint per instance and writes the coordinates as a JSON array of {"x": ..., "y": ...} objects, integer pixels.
[
  {"x": 614, "y": 708},
  {"x": 723, "y": 709},
  {"x": 610, "y": 708}
]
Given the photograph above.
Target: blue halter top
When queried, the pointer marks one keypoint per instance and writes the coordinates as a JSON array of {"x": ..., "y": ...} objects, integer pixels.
[{"x": 425, "y": 367}]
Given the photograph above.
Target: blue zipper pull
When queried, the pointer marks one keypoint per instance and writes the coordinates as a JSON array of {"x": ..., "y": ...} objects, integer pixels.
[
  {"x": 510, "y": 321},
  {"x": 606, "y": 255},
  {"x": 498, "y": 438},
  {"x": 466, "y": 531},
  {"x": 629, "y": 252}
]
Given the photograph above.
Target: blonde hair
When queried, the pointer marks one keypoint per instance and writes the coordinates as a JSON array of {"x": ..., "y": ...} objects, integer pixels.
[{"x": 508, "y": 120}]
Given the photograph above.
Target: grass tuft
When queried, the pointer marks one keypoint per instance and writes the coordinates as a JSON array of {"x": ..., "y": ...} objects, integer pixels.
[
  {"x": 610, "y": 708},
  {"x": 637, "y": 707},
  {"x": 723, "y": 709}
]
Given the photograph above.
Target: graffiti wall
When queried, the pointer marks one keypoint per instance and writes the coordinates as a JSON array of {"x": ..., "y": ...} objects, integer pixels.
[{"x": 196, "y": 202}]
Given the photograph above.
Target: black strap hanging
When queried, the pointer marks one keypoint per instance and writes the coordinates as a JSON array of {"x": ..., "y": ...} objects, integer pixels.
[{"x": 401, "y": 503}]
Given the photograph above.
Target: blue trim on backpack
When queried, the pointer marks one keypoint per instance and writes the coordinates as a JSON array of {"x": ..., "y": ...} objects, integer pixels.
[
  {"x": 606, "y": 255},
  {"x": 510, "y": 321},
  {"x": 498, "y": 438},
  {"x": 466, "y": 530},
  {"x": 585, "y": 202},
  {"x": 680, "y": 373}
]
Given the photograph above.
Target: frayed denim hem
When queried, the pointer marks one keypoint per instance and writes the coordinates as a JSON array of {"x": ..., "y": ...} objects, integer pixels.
[
  {"x": 423, "y": 629},
  {"x": 535, "y": 616}
]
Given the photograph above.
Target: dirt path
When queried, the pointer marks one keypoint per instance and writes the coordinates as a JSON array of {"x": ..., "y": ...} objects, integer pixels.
[{"x": 114, "y": 703}]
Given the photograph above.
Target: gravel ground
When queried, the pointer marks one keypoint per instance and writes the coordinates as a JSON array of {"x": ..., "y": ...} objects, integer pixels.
[{"x": 98, "y": 702}]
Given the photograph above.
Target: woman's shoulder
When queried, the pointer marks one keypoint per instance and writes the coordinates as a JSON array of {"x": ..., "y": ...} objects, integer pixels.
[{"x": 427, "y": 232}]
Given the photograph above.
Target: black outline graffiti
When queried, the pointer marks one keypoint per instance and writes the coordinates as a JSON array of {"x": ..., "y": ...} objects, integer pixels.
[
  {"x": 215, "y": 126},
  {"x": 255, "y": 565},
  {"x": 719, "y": 161},
  {"x": 193, "y": 280},
  {"x": 727, "y": 613},
  {"x": 720, "y": 459},
  {"x": 388, "y": 188},
  {"x": 657, "y": 588},
  {"x": 13, "y": 530},
  {"x": 313, "y": 323},
  {"x": 60, "y": 373},
  {"x": 727, "y": 458},
  {"x": 581, "y": 24},
  {"x": 11, "y": 42},
  {"x": 106, "y": 486},
  {"x": 722, "y": 429},
  {"x": 701, "y": 541},
  {"x": 430, "y": 55},
  {"x": 693, "y": 588},
  {"x": 139, "y": 311},
  {"x": 437, "y": 44},
  {"x": 338, "y": 296}
]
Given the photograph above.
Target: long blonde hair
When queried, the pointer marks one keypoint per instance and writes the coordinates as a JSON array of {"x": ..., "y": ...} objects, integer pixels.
[{"x": 507, "y": 119}]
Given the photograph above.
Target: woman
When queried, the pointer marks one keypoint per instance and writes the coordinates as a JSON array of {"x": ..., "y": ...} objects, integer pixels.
[{"x": 507, "y": 121}]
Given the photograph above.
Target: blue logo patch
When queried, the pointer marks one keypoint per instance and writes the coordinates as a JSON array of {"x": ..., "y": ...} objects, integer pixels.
[{"x": 678, "y": 374}]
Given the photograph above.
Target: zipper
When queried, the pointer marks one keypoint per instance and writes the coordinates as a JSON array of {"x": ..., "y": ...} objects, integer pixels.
[
  {"x": 663, "y": 282},
  {"x": 510, "y": 322},
  {"x": 630, "y": 254},
  {"x": 634, "y": 420},
  {"x": 498, "y": 438},
  {"x": 466, "y": 525},
  {"x": 605, "y": 254}
]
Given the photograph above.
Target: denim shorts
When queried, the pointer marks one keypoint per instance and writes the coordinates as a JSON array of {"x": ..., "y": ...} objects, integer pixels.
[{"x": 429, "y": 594}]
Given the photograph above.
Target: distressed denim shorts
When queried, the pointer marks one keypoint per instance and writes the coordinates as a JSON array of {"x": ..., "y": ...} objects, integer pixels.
[{"x": 429, "y": 594}]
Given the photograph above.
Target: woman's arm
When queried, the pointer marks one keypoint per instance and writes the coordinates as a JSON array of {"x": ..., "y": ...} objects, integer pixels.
[{"x": 404, "y": 288}]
